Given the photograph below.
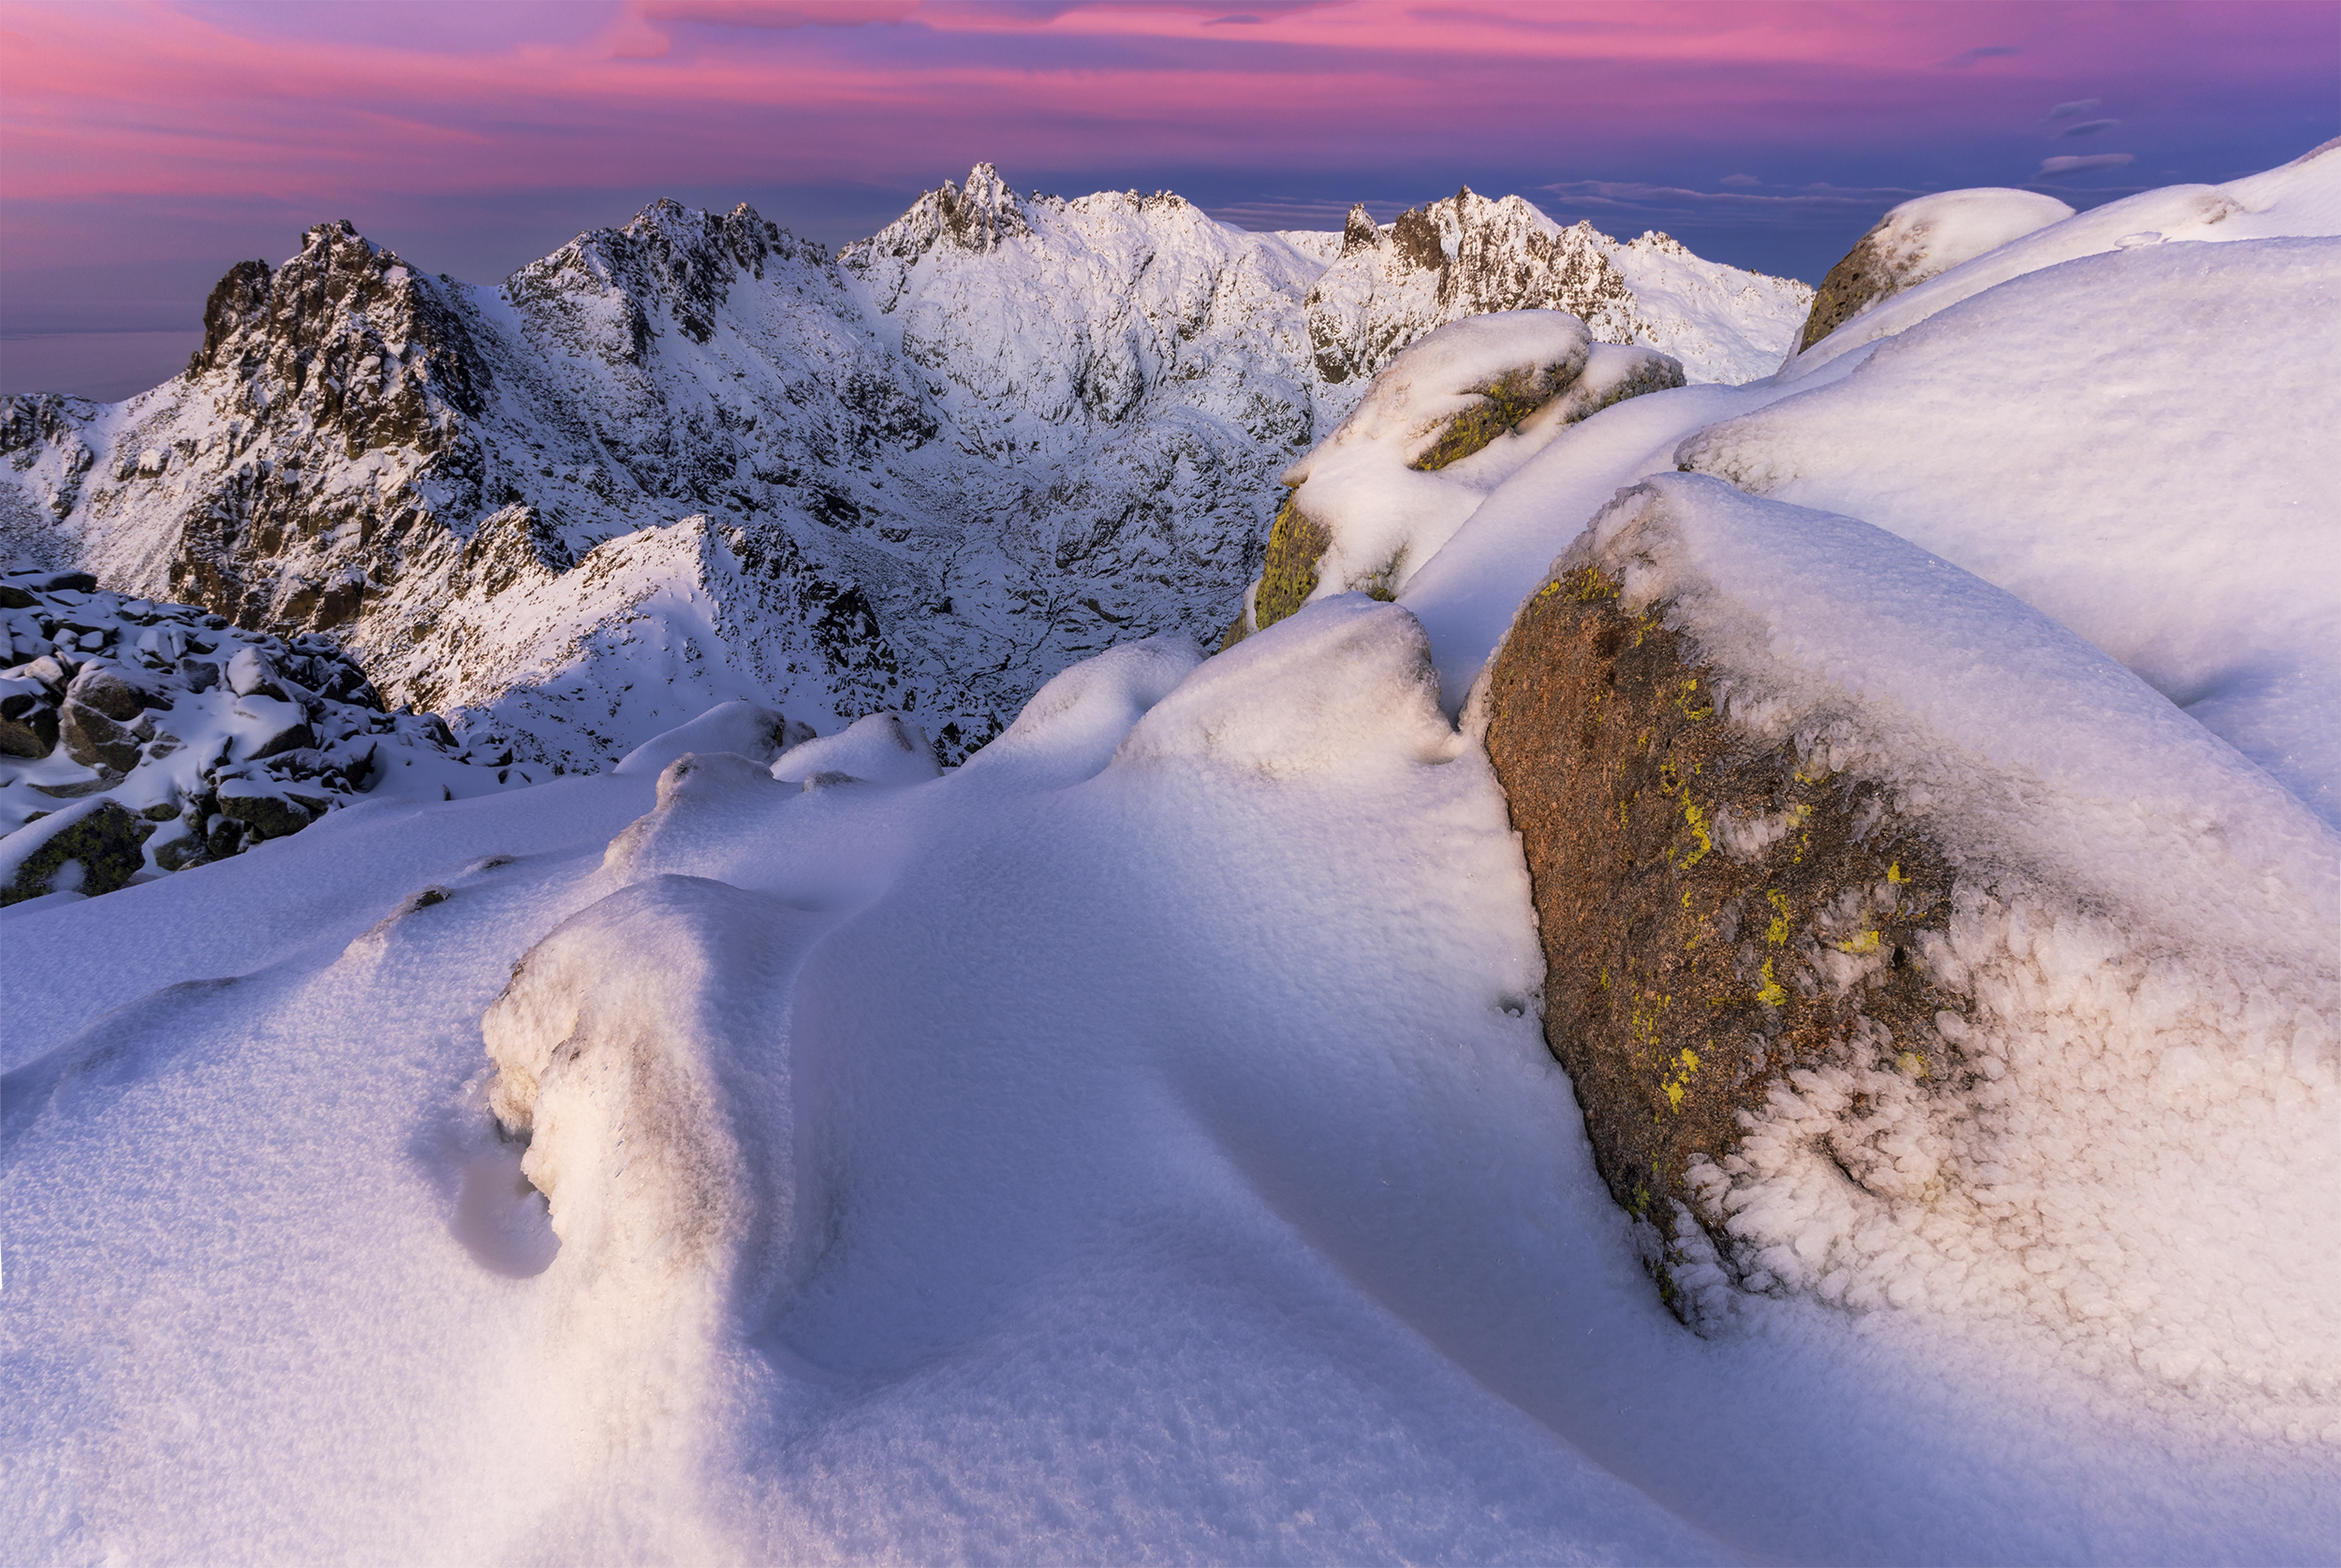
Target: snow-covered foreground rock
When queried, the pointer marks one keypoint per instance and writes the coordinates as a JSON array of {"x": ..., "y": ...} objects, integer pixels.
[
  {"x": 695, "y": 459},
  {"x": 1136, "y": 1144}
]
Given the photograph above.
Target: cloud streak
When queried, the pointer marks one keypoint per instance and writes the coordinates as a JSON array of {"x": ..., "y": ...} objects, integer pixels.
[{"x": 2076, "y": 164}]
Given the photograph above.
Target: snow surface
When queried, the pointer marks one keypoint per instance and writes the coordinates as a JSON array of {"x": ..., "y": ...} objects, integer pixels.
[
  {"x": 2118, "y": 441},
  {"x": 2301, "y": 198},
  {"x": 1136, "y": 1144}
]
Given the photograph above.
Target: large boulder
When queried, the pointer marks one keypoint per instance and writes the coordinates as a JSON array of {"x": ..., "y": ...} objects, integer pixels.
[
  {"x": 102, "y": 687},
  {"x": 1906, "y": 952},
  {"x": 1448, "y": 420},
  {"x": 92, "y": 847},
  {"x": 1919, "y": 240},
  {"x": 28, "y": 717},
  {"x": 93, "y": 740}
]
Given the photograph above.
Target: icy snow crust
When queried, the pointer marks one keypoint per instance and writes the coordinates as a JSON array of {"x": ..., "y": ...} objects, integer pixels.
[{"x": 927, "y": 1179}]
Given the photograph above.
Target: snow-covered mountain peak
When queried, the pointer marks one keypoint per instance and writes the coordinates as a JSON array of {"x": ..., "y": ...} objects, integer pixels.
[
  {"x": 929, "y": 473},
  {"x": 974, "y": 217},
  {"x": 345, "y": 338},
  {"x": 1468, "y": 255}
]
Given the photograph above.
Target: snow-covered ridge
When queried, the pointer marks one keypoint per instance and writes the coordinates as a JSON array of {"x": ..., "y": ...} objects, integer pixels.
[{"x": 1001, "y": 433}]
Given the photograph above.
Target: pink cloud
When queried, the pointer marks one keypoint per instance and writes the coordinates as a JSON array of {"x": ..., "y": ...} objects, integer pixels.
[{"x": 148, "y": 99}]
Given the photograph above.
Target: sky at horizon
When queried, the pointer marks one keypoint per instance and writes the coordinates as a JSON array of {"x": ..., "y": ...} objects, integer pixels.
[{"x": 146, "y": 146}]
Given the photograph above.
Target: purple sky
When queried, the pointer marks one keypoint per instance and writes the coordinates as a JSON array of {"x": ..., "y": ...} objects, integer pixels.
[{"x": 145, "y": 147}]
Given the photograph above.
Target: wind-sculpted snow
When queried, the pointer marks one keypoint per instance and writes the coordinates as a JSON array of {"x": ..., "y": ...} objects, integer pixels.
[
  {"x": 2169, "y": 509},
  {"x": 695, "y": 458},
  {"x": 1102, "y": 1152}
]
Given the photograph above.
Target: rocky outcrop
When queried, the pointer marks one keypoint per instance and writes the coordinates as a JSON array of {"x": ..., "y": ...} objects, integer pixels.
[
  {"x": 1919, "y": 240},
  {"x": 88, "y": 849},
  {"x": 210, "y": 738},
  {"x": 1444, "y": 422},
  {"x": 1906, "y": 952},
  {"x": 1695, "y": 884}
]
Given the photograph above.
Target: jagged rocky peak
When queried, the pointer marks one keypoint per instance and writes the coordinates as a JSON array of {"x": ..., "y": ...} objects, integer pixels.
[
  {"x": 1460, "y": 255},
  {"x": 344, "y": 337},
  {"x": 976, "y": 217},
  {"x": 682, "y": 258}
]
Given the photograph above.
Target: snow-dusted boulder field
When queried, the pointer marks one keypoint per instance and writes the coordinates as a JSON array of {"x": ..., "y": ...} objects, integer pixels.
[
  {"x": 1774, "y": 1000},
  {"x": 696, "y": 458},
  {"x": 139, "y": 738}
]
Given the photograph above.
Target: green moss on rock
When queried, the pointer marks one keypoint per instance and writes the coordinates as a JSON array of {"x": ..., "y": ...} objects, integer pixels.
[
  {"x": 1702, "y": 894},
  {"x": 1296, "y": 543},
  {"x": 109, "y": 842}
]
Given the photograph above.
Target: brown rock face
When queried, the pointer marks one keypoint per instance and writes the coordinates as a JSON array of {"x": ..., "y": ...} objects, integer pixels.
[
  {"x": 1866, "y": 273},
  {"x": 101, "y": 688},
  {"x": 94, "y": 740},
  {"x": 28, "y": 722},
  {"x": 1695, "y": 887}
]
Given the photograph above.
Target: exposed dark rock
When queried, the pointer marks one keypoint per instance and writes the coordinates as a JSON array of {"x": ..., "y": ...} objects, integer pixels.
[
  {"x": 1866, "y": 273},
  {"x": 101, "y": 687},
  {"x": 94, "y": 740},
  {"x": 106, "y": 840},
  {"x": 267, "y": 815},
  {"x": 28, "y": 718},
  {"x": 1688, "y": 879}
]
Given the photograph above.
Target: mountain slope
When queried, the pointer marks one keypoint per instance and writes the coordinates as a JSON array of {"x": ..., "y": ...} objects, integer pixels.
[{"x": 924, "y": 474}]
